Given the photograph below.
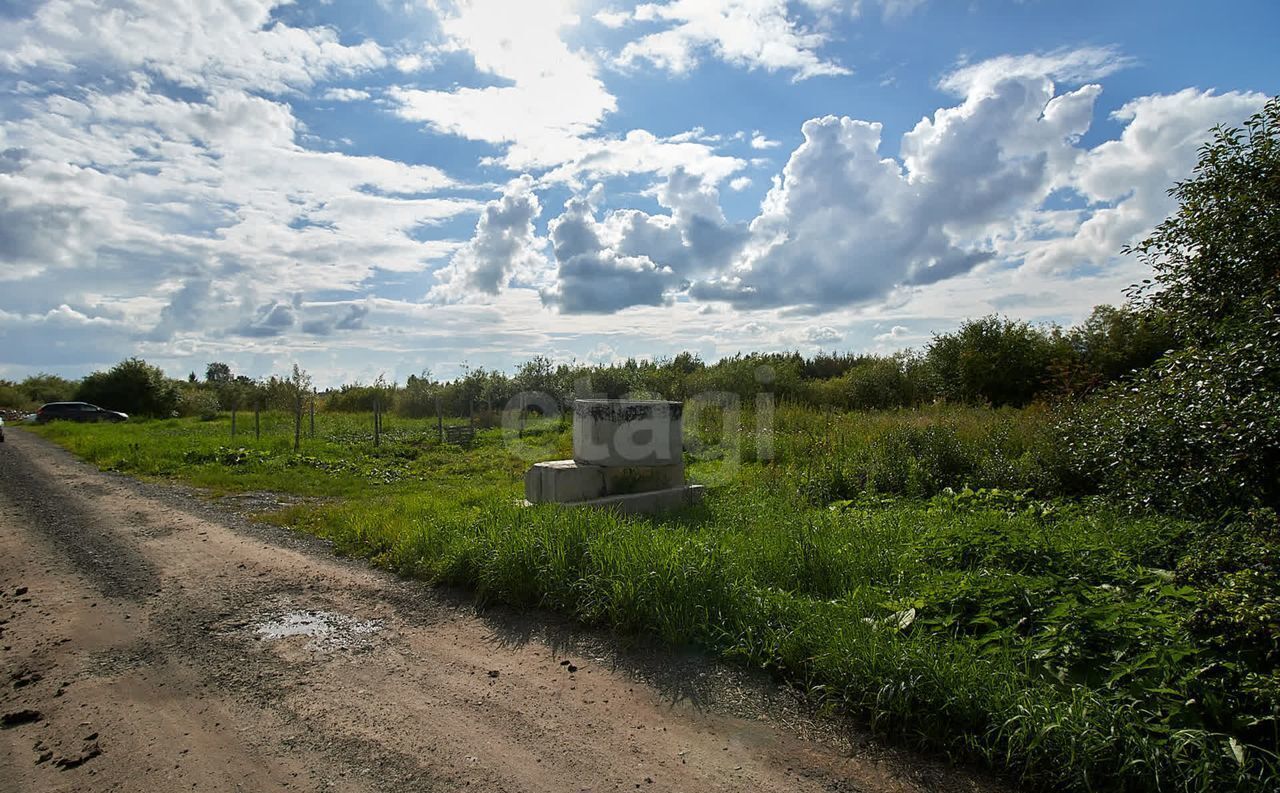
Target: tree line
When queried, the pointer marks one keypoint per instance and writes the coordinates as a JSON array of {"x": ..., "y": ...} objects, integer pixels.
[{"x": 992, "y": 360}]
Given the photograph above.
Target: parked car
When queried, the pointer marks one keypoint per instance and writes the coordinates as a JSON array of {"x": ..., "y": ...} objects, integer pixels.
[{"x": 77, "y": 411}]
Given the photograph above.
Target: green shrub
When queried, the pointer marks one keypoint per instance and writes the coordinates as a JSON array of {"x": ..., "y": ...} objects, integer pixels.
[
  {"x": 1199, "y": 432},
  {"x": 133, "y": 386},
  {"x": 996, "y": 361}
]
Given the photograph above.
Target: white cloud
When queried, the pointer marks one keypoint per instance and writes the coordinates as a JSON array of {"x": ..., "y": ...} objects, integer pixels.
[
  {"x": 739, "y": 184},
  {"x": 823, "y": 334},
  {"x": 192, "y": 43},
  {"x": 1126, "y": 180},
  {"x": 504, "y": 244},
  {"x": 593, "y": 277},
  {"x": 894, "y": 334},
  {"x": 612, "y": 19},
  {"x": 759, "y": 141},
  {"x": 637, "y": 152},
  {"x": 756, "y": 34},
  {"x": 210, "y": 207},
  {"x": 643, "y": 258},
  {"x": 1073, "y": 66},
  {"x": 553, "y": 97},
  {"x": 345, "y": 95}
]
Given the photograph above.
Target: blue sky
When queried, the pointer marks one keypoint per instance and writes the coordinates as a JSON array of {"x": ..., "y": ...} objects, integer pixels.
[{"x": 387, "y": 187}]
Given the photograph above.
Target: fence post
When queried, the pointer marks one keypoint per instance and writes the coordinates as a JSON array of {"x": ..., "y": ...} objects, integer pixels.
[
  {"x": 233, "y": 422},
  {"x": 313, "y": 412},
  {"x": 439, "y": 420},
  {"x": 376, "y": 424},
  {"x": 257, "y": 422}
]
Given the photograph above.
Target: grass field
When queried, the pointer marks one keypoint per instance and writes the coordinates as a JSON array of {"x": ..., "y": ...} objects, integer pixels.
[{"x": 921, "y": 571}]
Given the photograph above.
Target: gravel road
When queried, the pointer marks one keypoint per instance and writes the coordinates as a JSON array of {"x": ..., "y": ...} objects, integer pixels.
[{"x": 154, "y": 639}]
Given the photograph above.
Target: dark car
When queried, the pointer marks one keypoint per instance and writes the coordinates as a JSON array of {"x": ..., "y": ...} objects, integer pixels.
[{"x": 77, "y": 411}]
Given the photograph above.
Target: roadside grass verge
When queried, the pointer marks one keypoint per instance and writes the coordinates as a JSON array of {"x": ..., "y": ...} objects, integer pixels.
[{"x": 1067, "y": 643}]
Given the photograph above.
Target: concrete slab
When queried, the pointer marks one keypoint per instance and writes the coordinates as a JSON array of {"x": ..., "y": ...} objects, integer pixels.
[
  {"x": 621, "y": 480},
  {"x": 655, "y": 501},
  {"x": 559, "y": 481}
]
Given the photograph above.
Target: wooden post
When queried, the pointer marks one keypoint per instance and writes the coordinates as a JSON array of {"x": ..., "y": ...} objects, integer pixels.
[
  {"x": 233, "y": 421},
  {"x": 297, "y": 421},
  {"x": 377, "y": 439},
  {"x": 439, "y": 420},
  {"x": 471, "y": 415},
  {"x": 257, "y": 422},
  {"x": 313, "y": 412}
]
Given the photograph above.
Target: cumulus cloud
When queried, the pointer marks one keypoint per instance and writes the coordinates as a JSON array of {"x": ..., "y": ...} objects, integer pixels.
[
  {"x": 846, "y": 225},
  {"x": 270, "y": 319},
  {"x": 1126, "y": 181},
  {"x": 756, "y": 34},
  {"x": 642, "y": 257},
  {"x": 759, "y": 141},
  {"x": 592, "y": 276},
  {"x": 180, "y": 212},
  {"x": 504, "y": 244},
  {"x": 895, "y": 333},
  {"x": 328, "y": 319},
  {"x": 823, "y": 334}
]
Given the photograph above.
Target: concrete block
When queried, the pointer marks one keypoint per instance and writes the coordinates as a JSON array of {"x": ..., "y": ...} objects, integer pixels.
[
  {"x": 621, "y": 480},
  {"x": 627, "y": 433},
  {"x": 559, "y": 481},
  {"x": 650, "y": 503}
]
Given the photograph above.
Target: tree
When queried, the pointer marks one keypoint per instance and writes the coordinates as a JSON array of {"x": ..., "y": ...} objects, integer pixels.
[
  {"x": 1215, "y": 260},
  {"x": 1200, "y": 431},
  {"x": 995, "y": 360},
  {"x": 133, "y": 386},
  {"x": 42, "y": 387},
  {"x": 298, "y": 387},
  {"x": 217, "y": 373}
]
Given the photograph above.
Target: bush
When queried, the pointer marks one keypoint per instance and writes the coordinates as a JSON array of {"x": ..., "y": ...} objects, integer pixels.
[
  {"x": 42, "y": 388},
  {"x": 1200, "y": 431},
  {"x": 132, "y": 386},
  {"x": 12, "y": 397},
  {"x": 995, "y": 360},
  {"x": 201, "y": 402}
]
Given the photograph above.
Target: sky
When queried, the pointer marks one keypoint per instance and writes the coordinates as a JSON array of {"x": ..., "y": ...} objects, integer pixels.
[{"x": 389, "y": 187}]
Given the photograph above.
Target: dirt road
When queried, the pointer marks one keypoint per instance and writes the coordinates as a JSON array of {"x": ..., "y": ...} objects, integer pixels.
[{"x": 154, "y": 641}]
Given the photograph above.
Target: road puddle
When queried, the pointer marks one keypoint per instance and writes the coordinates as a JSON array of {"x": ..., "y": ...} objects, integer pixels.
[{"x": 325, "y": 630}]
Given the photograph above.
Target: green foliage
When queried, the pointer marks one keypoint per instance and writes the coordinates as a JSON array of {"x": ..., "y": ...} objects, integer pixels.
[
  {"x": 35, "y": 391},
  {"x": 217, "y": 374},
  {"x": 1200, "y": 431},
  {"x": 132, "y": 386},
  {"x": 11, "y": 396},
  {"x": 1112, "y": 344},
  {"x": 195, "y": 400},
  {"x": 995, "y": 360},
  {"x": 1214, "y": 260}
]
